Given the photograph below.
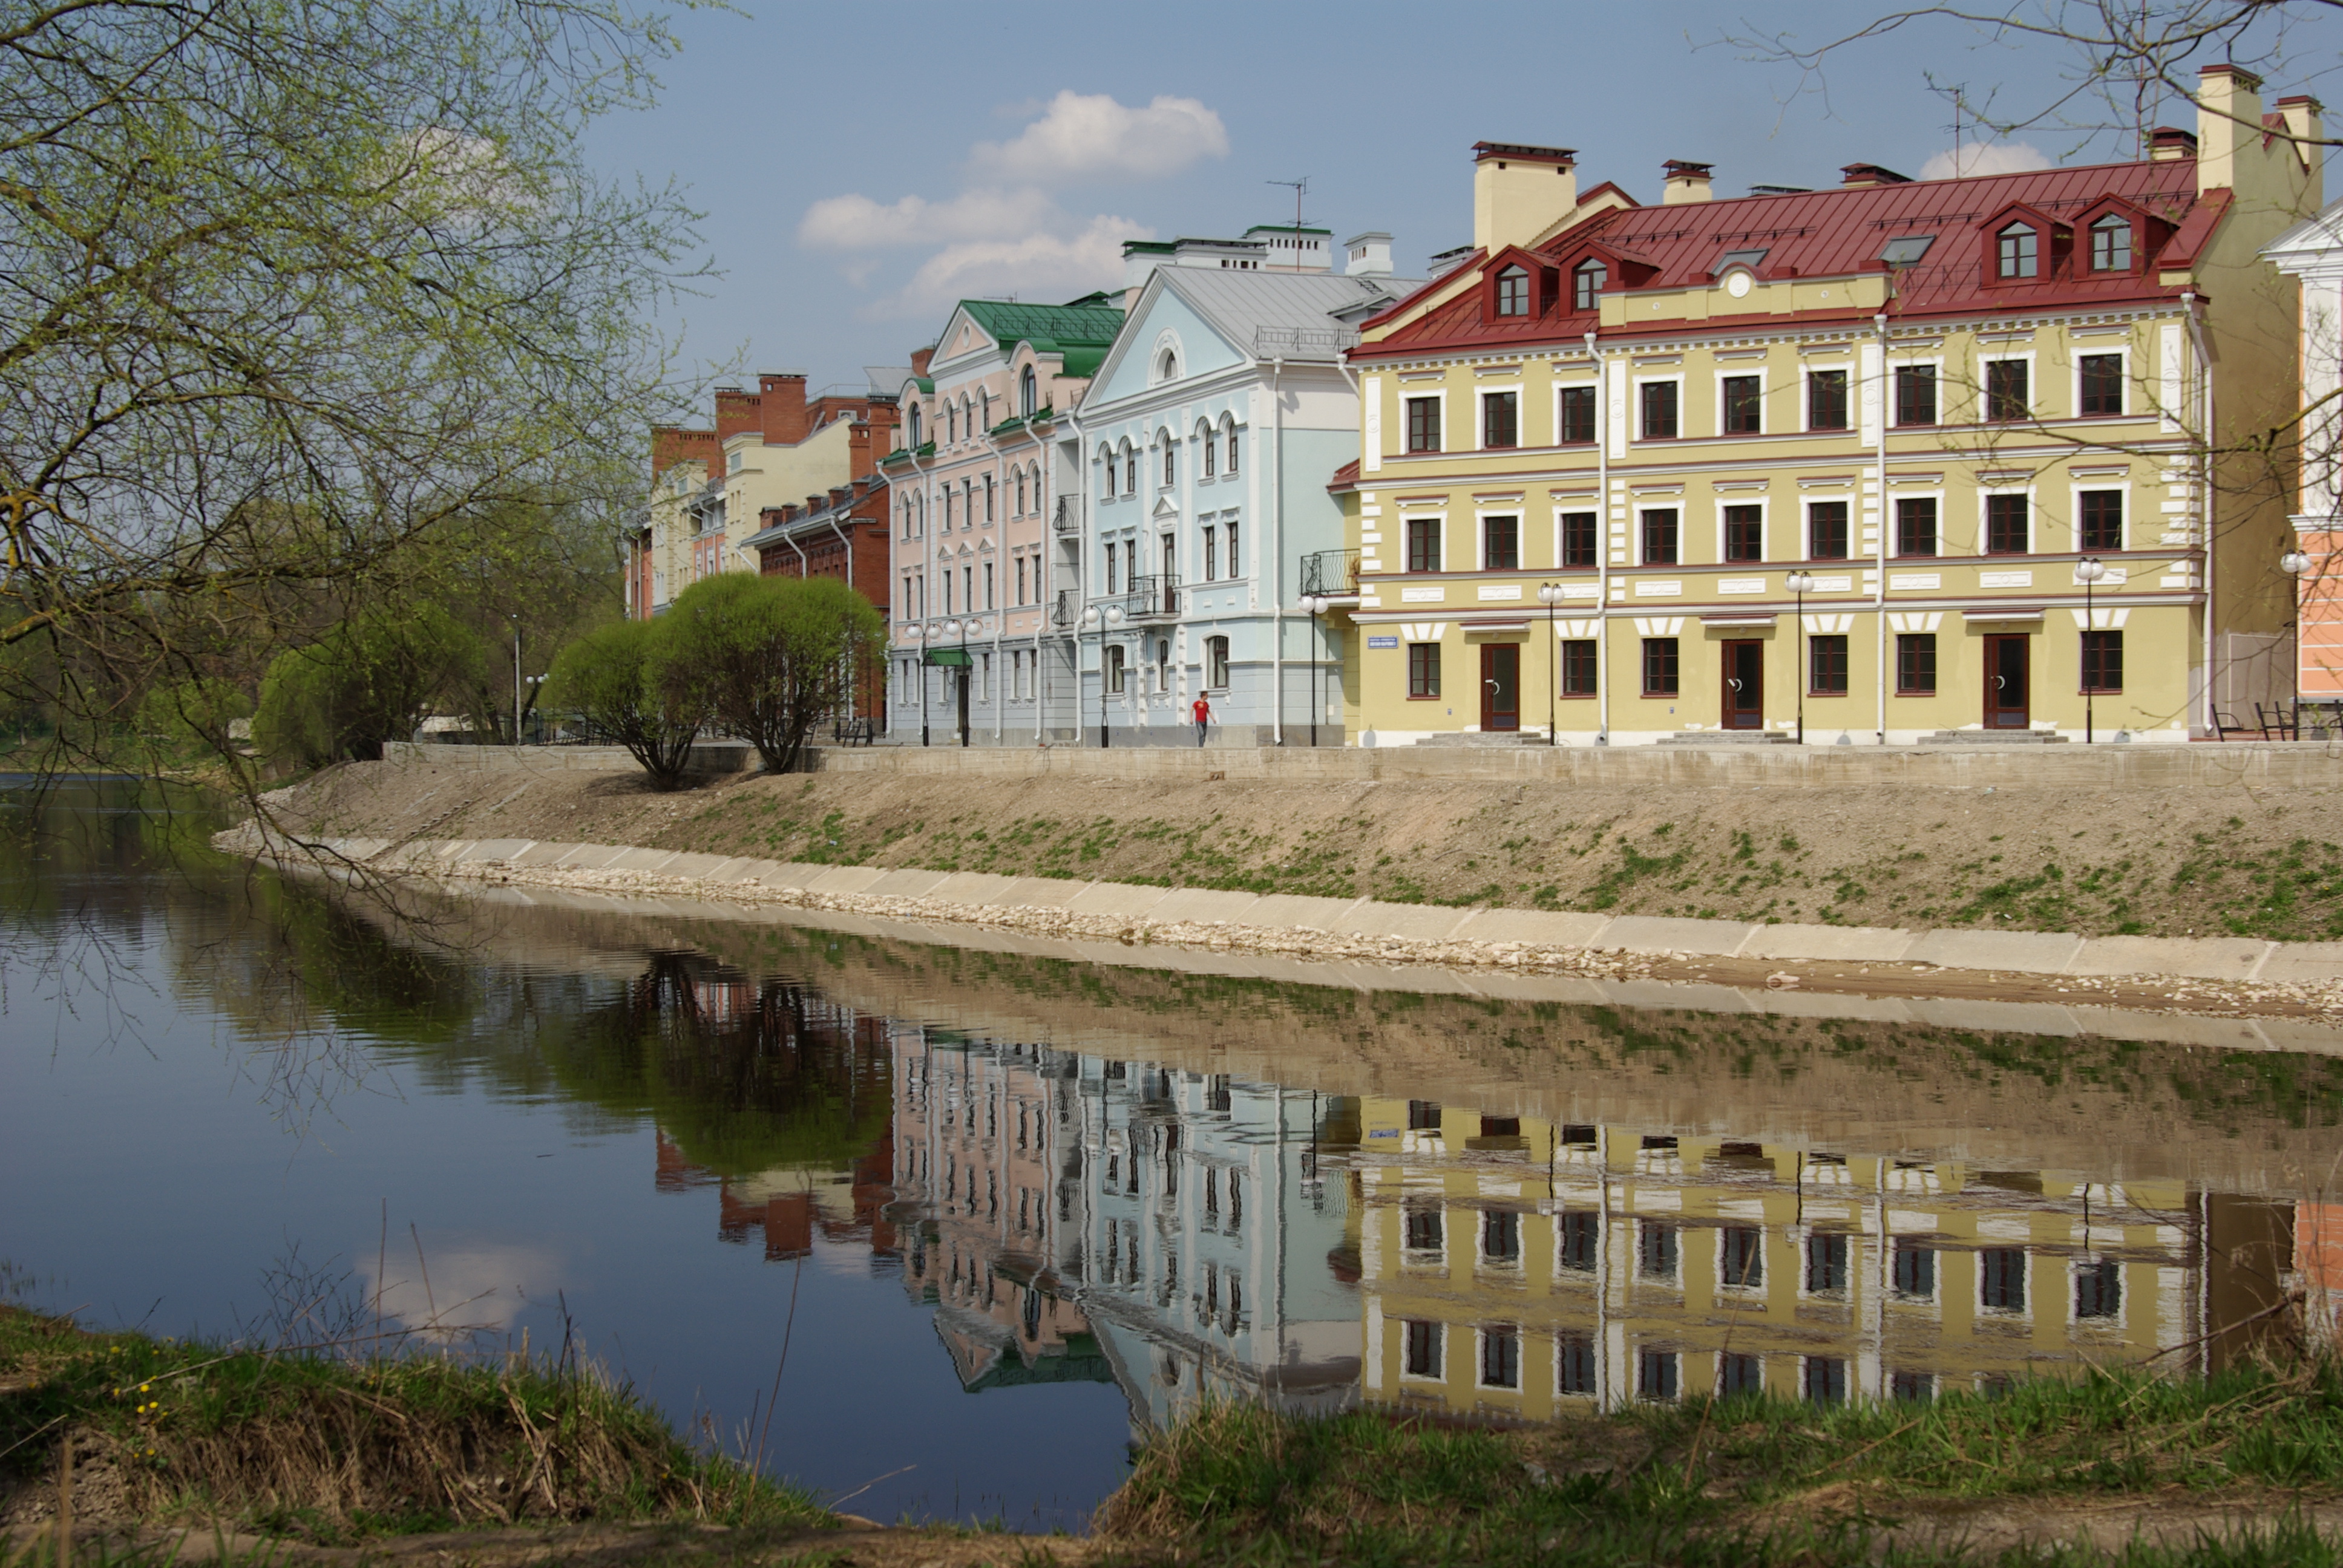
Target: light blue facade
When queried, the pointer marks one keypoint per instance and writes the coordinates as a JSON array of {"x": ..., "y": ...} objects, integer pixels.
[{"x": 1204, "y": 447}]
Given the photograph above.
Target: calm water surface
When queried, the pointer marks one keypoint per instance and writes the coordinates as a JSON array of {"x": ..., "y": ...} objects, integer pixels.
[{"x": 1006, "y": 1213}]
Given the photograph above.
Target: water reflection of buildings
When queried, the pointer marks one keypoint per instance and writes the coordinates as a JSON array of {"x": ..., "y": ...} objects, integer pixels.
[
  {"x": 1088, "y": 1218},
  {"x": 1515, "y": 1269}
]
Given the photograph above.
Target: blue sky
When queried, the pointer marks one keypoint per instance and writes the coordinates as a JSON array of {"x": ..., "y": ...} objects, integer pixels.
[{"x": 862, "y": 165}]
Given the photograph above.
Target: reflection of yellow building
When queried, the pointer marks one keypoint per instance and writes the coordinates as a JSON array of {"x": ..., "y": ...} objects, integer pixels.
[{"x": 1514, "y": 1268}]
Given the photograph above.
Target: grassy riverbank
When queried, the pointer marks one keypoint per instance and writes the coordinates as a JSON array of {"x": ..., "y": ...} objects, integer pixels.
[
  {"x": 332, "y": 1449},
  {"x": 2156, "y": 863}
]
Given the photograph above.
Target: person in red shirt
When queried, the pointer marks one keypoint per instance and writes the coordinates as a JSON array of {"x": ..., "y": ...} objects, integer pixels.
[{"x": 1203, "y": 713}]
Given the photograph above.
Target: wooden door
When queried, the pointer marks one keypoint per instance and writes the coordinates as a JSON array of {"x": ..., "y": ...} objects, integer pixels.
[
  {"x": 1501, "y": 686},
  {"x": 1744, "y": 685},
  {"x": 2007, "y": 682}
]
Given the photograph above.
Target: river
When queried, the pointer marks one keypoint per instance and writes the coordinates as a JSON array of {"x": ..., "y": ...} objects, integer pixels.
[{"x": 941, "y": 1230}]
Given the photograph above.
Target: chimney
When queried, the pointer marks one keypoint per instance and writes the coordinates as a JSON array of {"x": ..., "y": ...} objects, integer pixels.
[
  {"x": 2169, "y": 145},
  {"x": 1683, "y": 182},
  {"x": 1858, "y": 174},
  {"x": 1519, "y": 191},
  {"x": 735, "y": 413},
  {"x": 921, "y": 358},
  {"x": 1367, "y": 254},
  {"x": 859, "y": 459},
  {"x": 671, "y": 443},
  {"x": 782, "y": 401},
  {"x": 2228, "y": 113},
  {"x": 2303, "y": 122}
]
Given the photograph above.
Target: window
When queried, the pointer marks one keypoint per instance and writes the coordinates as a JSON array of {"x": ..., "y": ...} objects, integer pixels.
[
  {"x": 1028, "y": 393},
  {"x": 1170, "y": 459},
  {"x": 1229, "y": 430},
  {"x": 1579, "y": 540},
  {"x": 1659, "y": 406},
  {"x": 2005, "y": 389},
  {"x": 1513, "y": 292},
  {"x": 1216, "y": 663},
  {"x": 1741, "y": 1256},
  {"x": 1574, "y": 1356},
  {"x": 951, "y": 425},
  {"x": 1501, "y": 419},
  {"x": 948, "y": 590},
  {"x": 2018, "y": 249},
  {"x": 1110, "y": 559},
  {"x": 2099, "y": 525},
  {"x": 1423, "y": 423},
  {"x": 1915, "y": 525},
  {"x": 2103, "y": 661},
  {"x": 1827, "y": 532},
  {"x": 1827, "y": 1261},
  {"x": 1210, "y": 450},
  {"x": 1915, "y": 394},
  {"x": 1106, "y": 464},
  {"x": 2098, "y": 1290},
  {"x": 1744, "y": 406},
  {"x": 2001, "y": 1278},
  {"x": 1738, "y": 1373},
  {"x": 1501, "y": 1358},
  {"x": 2111, "y": 244},
  {"x": 2101, "y": 383},
  {"x": 1020, "y": 579},
  {"x": 1827, "y": 664},
  {"x": 1212, "y": 553},
  {"x": 1020, "y": 492},
  {"x": 1586, "y": 283},
  {"x": 1825, "y": 1380},
  {"x": 1745, "y": 533},
  {"x": 1578, "y": 667},
  {"x": 1167, "y": 368},
  {"x": 2004, "y": 525},
  {"x": 1660, "y": 537},
  {"x": 1423, "y": 1348},
  {"x": 989, "y": 487},
  {"x": 1114, "y": 670},
  {"x": 1915, "y": 664},
  {"x": 1424, "y": 670},
  {"x": 1501, "y": 544},
  {"x": 1501, "y": 1236},
  {"x": 1655, "y": 1374},
  {"x": 1915, "y": 1269},
  {"x": 1422, "y": 1230},
  {"x": 1234, "y": 568},
  {"x": 1827, "y": 400},
  {"x": 1578, "y": 1241},
  {"x": 1129, "y": 469},
  {"x": 916, "y": 425},
  {"x": 1423, "y": 544},
  {"x": 1423, "y": 1116},
  {"x": 1576, "y": 416},
  {"x": 988, "y": 602},
  {"x": 1659, "y": 667}
]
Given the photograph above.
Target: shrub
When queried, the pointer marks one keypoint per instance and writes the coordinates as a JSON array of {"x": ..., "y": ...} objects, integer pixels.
[
  {"x": 617, "y": 678},
  {"x": 770, "y": 657},
  {"x": 370, "y": 679}
]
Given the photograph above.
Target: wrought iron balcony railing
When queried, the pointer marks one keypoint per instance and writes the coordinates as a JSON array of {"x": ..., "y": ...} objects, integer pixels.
[
  {"x": 1330, "y": 572},
  {"x": 1069, "y": 519},
  {"x": 1152, "y": 598}
]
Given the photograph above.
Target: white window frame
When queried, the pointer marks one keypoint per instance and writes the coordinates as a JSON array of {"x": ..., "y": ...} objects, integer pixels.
[
  {"x": 2034, "y": 409},
  {"x": 1439, "y": 393},
  {"x": 1439, "y": 515},
  {"x": 1806, "y": 505},
  {"x": 1636, "y": 538},
  {"x": 2003, "y": 1314},
  {"x": 2075, "y": 489},
  {"x": 1481, "y": 396},
  {"x": 1759, "y": 368},
  {"x": 1853, "y": 426},
  {"x": 1480, "y": 1334},
  {"x": 2033, "y": 523},
  {"x": 1481, "y": 515},
  {"x": 1602, "y": 544},
  {"x": 1440, "y": 1374},
  {"x": 1107, "y": 461},
  {"x": 1553, "y": 410},
  {"x": 2076, "y": 352},
  {"x": 1765, "y": 505},
  {"x": 1888, "y": 530},
  {"x": 1912, "y": 362},
  {"x": 1635, "y": 409},
  {"x": 1230, "y": 433},
  {"x": 1764, "y": 1265}
]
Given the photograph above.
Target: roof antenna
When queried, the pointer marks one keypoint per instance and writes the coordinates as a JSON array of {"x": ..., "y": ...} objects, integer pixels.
[
  {"x": 1301, "y": 189},
  {"x": 1956, "y": 93}
]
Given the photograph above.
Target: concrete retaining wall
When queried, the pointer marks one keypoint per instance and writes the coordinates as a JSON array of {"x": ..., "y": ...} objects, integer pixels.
[{"x": 715, "y": 756}]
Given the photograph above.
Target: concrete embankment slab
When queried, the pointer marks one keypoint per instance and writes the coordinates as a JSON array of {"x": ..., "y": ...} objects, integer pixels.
[
  {"x": 2027, "y": 952},
  {"x": 1299, "y": 912},
  {"x": 1415, "y": 922},
  {"x": 487, "y": 849},
  {"x": 1203, "y": 904},
  {"x": 970, "y": 887},
  {"x": 594, "y": 856},
  {"x": 1124, "y": 900},
  {"x": 1649, "y": 934},
  {"x": 2016, "y": 1017},
  {"x": 796, "y": 875},
  {"x": 1037, "y": 893},
  {"x": 1851, "y": 944},
  {"x": 1539, "y": 928},
  {"x": 544, "y": 854},
  {"x": 2196, "y": 958},
  {"x": 846, "y": 880},
  {"x": 642, "y": 860},
  {"x": 907, "y": 884},
  {"x": 2303, "y": 962}
]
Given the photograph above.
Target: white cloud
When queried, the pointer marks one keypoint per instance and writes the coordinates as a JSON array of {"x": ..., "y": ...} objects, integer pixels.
[
  {"x": 1985, "y": 159},
  {"x": 467, "y": 1288},
  {"x": 1039, "y": 266},
  {"x": 858, "y": 223},
  {"x": 1089, "y": 136}
]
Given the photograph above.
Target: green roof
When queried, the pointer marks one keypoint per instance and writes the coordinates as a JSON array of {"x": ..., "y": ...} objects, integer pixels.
[
  {"x": 1084, "y": 361},
  {"x": 1085, "y": 325}
]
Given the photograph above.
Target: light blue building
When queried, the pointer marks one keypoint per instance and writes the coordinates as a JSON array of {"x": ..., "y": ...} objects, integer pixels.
[{"x": 1203, "y": 450}]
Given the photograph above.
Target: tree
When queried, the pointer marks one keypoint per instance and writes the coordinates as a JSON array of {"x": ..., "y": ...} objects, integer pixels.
[
  {"x": 287, "y": 292},
  {"x": 774, "y": 656},
  {"x": 614, "y": 678},
  {"x": 366, "y": 682}
]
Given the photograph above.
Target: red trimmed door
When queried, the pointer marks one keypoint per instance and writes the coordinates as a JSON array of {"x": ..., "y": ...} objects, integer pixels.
[
  {"x": 1501, "y": 686},
  {"x": 2009, "y": 678},
  {"x": 1745, "y": 684}
]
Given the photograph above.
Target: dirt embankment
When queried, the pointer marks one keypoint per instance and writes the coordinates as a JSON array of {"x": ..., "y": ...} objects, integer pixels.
[{"x": 2159, "y": 863}]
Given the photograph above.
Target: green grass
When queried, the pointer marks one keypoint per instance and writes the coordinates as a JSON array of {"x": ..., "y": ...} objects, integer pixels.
[
  {"x": 332, "y": 1448},
  {"x": 1744, "y": 1480}
]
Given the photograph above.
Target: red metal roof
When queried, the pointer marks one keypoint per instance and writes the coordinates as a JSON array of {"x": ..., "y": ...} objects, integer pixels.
[{"x": 1840, "y": 232}]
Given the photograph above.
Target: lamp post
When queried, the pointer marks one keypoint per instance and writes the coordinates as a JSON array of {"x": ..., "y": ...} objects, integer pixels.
[
  {"x": 1099, "y": 621},
  {"x": 959, "y": 629},
  {"x": 1312, "y": 606},
  {"x": 928, "y": 635},
  {"x": 1550, "y": 595},
  {"x": 516, "y": 621},
  {"x": 1800, "y": 583},
  {"x": 2295, "y": 564},
  {"x": 2088, "y": 571}
]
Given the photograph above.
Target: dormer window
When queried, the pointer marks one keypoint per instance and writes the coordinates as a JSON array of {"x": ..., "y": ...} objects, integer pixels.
[
  {"x": 1586, "y": 281},
  {"x": 1168, "y": 367},
  {"x": 1513, "y": 292},
  {"x": 2020, "y": 250},
  {"x": 2111, "y": 243}
]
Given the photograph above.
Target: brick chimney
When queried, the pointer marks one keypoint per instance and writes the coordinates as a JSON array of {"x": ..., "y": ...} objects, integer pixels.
[
  {"x": 781, "y": 399},
  {"x": 1683, "y": 182},
  {"x": 2170, "y": 144},
  {"x": 671, "y": 443},
  {"x": 736, "y": 414},
  {"x": 920, "y": 359},
  {"x": 859, "y": 457},
  {"x": 1871, "y": 175}
]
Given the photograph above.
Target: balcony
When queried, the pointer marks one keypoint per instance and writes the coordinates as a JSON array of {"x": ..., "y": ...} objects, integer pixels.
[
  {"x": 1064, "y": 612},
  {"x": 1330, "y": 572},
  {"x": 1152, "y": 598},
  {"x": 1069, "y": 518}
]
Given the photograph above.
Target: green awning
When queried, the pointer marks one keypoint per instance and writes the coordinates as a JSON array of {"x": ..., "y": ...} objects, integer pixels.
[{"x": 951, "y": 657}]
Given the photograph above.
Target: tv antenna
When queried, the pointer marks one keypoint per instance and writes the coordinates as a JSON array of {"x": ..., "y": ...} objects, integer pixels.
[{"x": 1301, "y": 189}]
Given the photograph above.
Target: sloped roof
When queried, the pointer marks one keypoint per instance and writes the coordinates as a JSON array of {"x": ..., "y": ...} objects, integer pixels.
[
  {"x": 1288, "y": 311},
  {"x": 1840, "y": 232},
  {"x": 1070, "y": 326},
  {"x": 2315, "y": 238}
]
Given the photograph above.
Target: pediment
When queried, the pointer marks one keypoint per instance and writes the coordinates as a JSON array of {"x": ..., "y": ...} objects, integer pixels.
[{"x": 1165, "y": 508}]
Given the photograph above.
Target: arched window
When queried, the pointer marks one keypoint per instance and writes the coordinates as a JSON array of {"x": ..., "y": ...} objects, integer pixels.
[
  {"x": 1020, "y": 492},
  {"x": 1171, "y": 456},
  {"x": 1167, "y": 369},
  {"x": 1106, "y": 462},
  {"x": 948, "y": 515},
  {"x": 1586, "y": 281},
  {"x": 951, "y": 425},
  {"x": 1029, "y": 388},
  {"x": 2111, "y": 243},
  {"x": 1513, "y": 292},
  {"x": 2020, "y": 251},
  {"x": 967, "y": 419},
  {"x": 916, "y": 423},
  {"x": 1210, "y": 449},
  {"x": 987, "y": 497},
  {"x": 1228, "y": 429},
  {"x": 1129, "y": 469},
  {"x": 983, "y": 413}
]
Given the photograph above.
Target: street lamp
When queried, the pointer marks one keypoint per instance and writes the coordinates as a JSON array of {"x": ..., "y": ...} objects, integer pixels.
[
  {"x": 2295, "y": 564},
  {"x": 2088, "y": 571},
  {"x": 1311, "y": 605},
  {"x": 959, "y": 629},
  {"x": 928, "y": 635},
  {"x": 1801, "y": 583},
  {"x": 1550, "y": 595},
  {"x": 1099, "y": 621}
]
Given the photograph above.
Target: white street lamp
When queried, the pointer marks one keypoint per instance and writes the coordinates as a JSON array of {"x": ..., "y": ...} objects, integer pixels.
[
  {"x": 1550, "y": 596},
  {"x": 2088, "y": 571},
  {"x": 2295, "y": 564},
  {"x": 1801, "y": 583}
]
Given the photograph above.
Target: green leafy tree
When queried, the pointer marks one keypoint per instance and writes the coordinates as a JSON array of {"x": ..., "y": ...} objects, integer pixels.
[
  {"x": 614, "y": 678},
  {"x": 774, "y": 656},
  {"x": 198, "y": 711},
  {"x": 366, "y": 682}
]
